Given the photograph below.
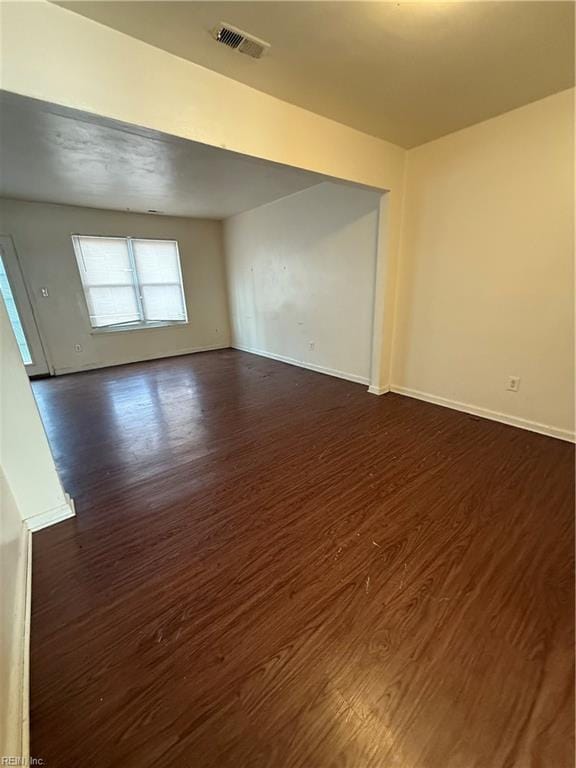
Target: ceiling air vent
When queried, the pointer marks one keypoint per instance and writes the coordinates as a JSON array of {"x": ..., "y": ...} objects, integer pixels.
[{"x": 240, "y": 41}]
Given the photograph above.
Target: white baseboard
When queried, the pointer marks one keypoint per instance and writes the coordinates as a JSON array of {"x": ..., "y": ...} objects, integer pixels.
[
  {"x": 15, "y": 739},
  {"x": 160, "y": 356},
  {"x": 301, "y": 364},
  {"x": 503, "y": 418},
  {"x": 374, "y": 390},
  {"x": 25, "y": 695},
  {"x": 51, "y": 517}
]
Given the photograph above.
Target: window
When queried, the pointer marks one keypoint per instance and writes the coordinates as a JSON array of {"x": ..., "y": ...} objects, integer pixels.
[{"x": 130, "y": 282}]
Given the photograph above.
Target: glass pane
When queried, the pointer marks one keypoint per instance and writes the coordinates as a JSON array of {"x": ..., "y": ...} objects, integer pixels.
[
  {"x": 111, "y": 304},
  {"x": 6, "y": 292},
  {"x": 163, "y": 302},
  {"x": 108, "y": 279},
  {"x": 104, "y": 261},
  {"x": 156, "y": 261}
]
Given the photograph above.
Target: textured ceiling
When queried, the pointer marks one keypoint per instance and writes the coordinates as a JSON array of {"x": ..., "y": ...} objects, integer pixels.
[
  {"x": 407, "y": 72},
  {"x": 55, "y": 155}
]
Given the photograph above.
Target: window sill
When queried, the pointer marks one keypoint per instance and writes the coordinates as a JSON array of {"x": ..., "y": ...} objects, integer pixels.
[{"x": 135, "y": 327}]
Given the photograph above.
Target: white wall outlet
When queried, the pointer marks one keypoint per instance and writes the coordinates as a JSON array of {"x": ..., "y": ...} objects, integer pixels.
[
  {"x": 311, "y": 346},
  {"x": 513, "y": 383},
  {"x": 44, "y": 292},
  {"x": 78, "y": 347}
]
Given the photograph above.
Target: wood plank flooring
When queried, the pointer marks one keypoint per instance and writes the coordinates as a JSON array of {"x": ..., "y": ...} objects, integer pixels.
[{"x": 270, "y": 567}]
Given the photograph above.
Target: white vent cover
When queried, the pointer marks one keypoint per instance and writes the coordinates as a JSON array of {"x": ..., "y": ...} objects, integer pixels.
[{"x": 240, "y": 41}]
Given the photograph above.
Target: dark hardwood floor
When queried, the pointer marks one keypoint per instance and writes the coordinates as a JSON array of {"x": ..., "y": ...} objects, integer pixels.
[{"x": 270, "y": 567}]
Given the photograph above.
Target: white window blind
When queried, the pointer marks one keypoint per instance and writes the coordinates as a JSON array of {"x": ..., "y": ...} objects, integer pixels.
[
  {"x": 130, "y": 281},
  {"x": 159, "y": 278}
]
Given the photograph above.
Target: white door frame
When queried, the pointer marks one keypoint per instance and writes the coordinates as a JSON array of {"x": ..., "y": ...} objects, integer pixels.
[{"x": 40, "y": 364}]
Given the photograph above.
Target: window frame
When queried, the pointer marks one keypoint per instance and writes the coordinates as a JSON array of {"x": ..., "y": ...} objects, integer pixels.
[{"x": 142, "y": 324}]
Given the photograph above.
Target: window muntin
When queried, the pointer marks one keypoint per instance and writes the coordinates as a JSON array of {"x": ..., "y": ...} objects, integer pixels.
[{"x": 131, "y": 282}]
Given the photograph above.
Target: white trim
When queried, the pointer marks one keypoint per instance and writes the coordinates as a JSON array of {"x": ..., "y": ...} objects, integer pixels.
[
  {"x": 16, "y": 736},
  {"x": 144, "y": 326},
  {"x": 374, "y": 390},
  {"x": 25, "y": 679},
  {"x": 51, "y": 517},
  {"x": 380, "y": 308},
  {"x": 474, "y": 410},
  {"x": 154, "y": 356},
  {"x": 136, "y": 282},
  {"x": 301, "y": 364}
]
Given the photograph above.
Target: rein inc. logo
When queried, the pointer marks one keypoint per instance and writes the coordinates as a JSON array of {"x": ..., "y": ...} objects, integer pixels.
[{"x": 21, "y": 761}]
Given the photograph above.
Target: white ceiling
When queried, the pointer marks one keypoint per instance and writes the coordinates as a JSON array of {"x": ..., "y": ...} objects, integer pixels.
[
  {"x": 408, "y": 72},
  {"x": 51, "y": 154}
]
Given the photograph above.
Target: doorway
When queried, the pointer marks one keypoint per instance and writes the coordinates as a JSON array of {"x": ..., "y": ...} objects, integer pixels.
[{"x": 19, "y": 307}]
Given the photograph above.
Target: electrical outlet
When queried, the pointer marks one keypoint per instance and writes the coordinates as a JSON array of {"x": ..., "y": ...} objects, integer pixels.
[
  {"x": 44, "y": 292},
  {"x": 311, "y": 346},
  {"x": 78, "y": 347},
  {"x": 513, "y": 383}
]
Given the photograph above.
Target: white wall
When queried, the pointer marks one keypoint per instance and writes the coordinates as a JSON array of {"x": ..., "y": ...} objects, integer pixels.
[
  {"x": 14, "y": 554},
  {"x": 25, "y": 455},
  {"x": 457, "y": 215},
  {"x": 144, "y": 86},
  {"x": 41, "y": 234},
  {"x": 486, "y": 287},
  {"x": 301, "y": 270},
  {"x": 30, "y": 491}
]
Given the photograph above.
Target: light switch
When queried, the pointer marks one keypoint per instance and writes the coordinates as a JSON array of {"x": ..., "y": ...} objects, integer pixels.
[{"x": 44, "y": 292}]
